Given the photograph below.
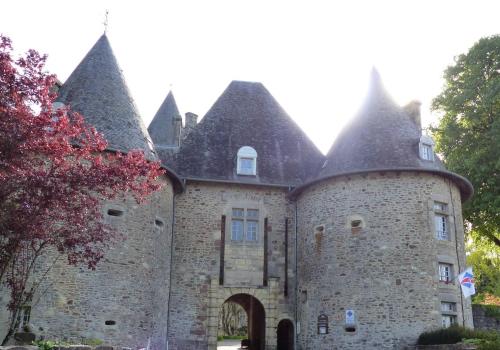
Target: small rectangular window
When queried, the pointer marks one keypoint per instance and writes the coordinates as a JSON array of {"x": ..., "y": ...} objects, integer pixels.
[
  {"x": 447, "y": 306},
  {"x": 439, "y": 206},
  {"x": 238, "y": 213},
  {"x": 252, "y": 228},
  {"x": 427, "y": 152},
  {"x": 252, "y": 213},
  {"x": 237, "y": 230},
  {"x": 441, "y": 225},
  {"x": 448, "y": 320},
  {"x": 445, "y": 273}
]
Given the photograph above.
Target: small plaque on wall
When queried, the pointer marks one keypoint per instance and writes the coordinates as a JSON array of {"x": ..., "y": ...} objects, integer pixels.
[
  {"x": 322, "y": 324},
  {"x": 350, "y": 317}
]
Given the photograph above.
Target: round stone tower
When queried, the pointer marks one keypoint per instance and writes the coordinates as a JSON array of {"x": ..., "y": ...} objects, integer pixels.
[
  {"x": 124, "y": 302},
  {"x": 380, "y": 236}
]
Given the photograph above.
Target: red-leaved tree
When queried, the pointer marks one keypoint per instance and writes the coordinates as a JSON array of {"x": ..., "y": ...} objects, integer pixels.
[{"x": 54, "y": 176}]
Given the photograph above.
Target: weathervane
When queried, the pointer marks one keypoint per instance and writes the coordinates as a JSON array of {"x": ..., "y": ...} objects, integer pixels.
[{"x": 106, "y": 21}]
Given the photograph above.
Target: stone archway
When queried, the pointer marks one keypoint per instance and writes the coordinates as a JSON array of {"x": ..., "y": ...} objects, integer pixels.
[
  {"x": 256, "y": 318},
  {"x": 285, "y": 335}
]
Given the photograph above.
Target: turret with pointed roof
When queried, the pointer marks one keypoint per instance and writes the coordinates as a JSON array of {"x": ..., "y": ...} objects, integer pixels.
[
  {"x": 246, "y": 114},
  {"x": 382, "y": 137},
  {"x": 98, "y": 91},
  {"x": 166, "y": 125}
]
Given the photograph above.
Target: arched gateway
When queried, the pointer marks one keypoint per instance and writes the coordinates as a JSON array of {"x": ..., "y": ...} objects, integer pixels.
[{"x": 256, "y": 318}]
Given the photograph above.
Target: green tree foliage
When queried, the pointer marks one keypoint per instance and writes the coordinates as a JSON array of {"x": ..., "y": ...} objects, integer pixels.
[
  {"x": 484, "y": 256},
  {"x": 468, "y": 135}
]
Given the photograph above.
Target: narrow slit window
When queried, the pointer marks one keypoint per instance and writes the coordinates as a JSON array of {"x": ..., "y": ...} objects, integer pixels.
[
  {"x": 115, "y": 212},
  {"x": 356, "y": 223}
]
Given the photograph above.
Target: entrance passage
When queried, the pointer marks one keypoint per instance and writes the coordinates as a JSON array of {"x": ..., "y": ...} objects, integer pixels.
[
  {"x": 255, "y": 320},
  {"x": 285, "y": 335}
]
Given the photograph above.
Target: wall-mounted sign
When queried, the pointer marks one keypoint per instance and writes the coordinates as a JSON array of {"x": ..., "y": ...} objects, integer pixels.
[
  {"x": 350, "y": 317},
  {"x": 322, "y": 324}
]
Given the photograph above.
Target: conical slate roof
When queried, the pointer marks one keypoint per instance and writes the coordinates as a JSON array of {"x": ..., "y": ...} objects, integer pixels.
[
  {"x": 162, "y": 127},
  {"x": 381, "y": 137},
  {"x": 97, "y": 90},
  {"x": 247, "y": 115}
]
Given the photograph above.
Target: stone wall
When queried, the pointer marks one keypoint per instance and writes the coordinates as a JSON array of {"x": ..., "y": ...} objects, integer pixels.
[
  {"x": 483, "y": 321},
  {"x": 459, "y": 346},
  {"x": 196, "y": 294},
  {"x": 386, "y": 269},
  {"x": 124, "y": 301}
]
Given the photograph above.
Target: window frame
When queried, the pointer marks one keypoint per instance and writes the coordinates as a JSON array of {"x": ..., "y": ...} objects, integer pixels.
[
  {"x": 245, "y": 219},
  {"x": 246, "y": 153},
  {"x": 442, "y": 234},
  {"x": 452, "y": 319},
  {"x": 448, "y": 276},
  {"x": 451, "y": 309},
  {"x": 442, "y": 229},
  {"x": 426, "y": 148}
]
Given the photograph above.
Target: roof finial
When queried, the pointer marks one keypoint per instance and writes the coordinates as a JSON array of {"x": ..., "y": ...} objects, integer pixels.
[{"x": 106, "y": 21}]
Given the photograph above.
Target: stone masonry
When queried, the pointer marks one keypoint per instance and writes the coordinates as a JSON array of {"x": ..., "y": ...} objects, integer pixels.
[
  {"x": 196, "y": 294},
  {"x": 386, "y": 271},
  {"x": 127, "y": 296}
]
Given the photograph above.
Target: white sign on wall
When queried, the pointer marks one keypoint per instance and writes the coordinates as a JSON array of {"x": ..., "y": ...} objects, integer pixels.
[{"x": 350, "y": 317}]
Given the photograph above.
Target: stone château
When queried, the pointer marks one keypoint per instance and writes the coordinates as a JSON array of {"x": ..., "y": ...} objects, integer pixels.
[{"x": 357, "y": 249}]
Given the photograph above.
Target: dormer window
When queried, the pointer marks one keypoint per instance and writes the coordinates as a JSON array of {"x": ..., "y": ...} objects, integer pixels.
[
  {"x": 247, "y": 161},
  {"x": 426, "y": 148}
]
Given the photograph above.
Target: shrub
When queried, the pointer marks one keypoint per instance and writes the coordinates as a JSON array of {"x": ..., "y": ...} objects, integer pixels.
[
  {"x": 45, "y": 344},
  {"x": 455, "y": 334},
  {"x": 92, "y": 341},
  {"x": 51, "y": 344},
  {"x": 492, "y": 311},
  {"x": 231, "y": 337}
]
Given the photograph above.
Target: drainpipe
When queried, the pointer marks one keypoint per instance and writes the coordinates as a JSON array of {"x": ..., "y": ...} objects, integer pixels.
[
  {"x": 171, "y": 267},
  {"x": 456, "y": 250},
  {"x": 296, "y": 340}
]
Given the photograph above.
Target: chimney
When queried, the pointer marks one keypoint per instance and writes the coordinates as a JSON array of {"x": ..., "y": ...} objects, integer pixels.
[
  {"x": 413, "y": 110},
  {"x": 191, "y": 120},
  {"x": 190, "y": 123},
  {"x": 177, "y": 124}
]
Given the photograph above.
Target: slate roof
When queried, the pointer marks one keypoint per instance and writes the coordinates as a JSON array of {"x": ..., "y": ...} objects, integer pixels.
[
  {"x": 246, "y": 114},
  {"x": 162, "y": 127},
  {"x": 98, "y": 91},
  {"x": 381, "y": 137}
]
